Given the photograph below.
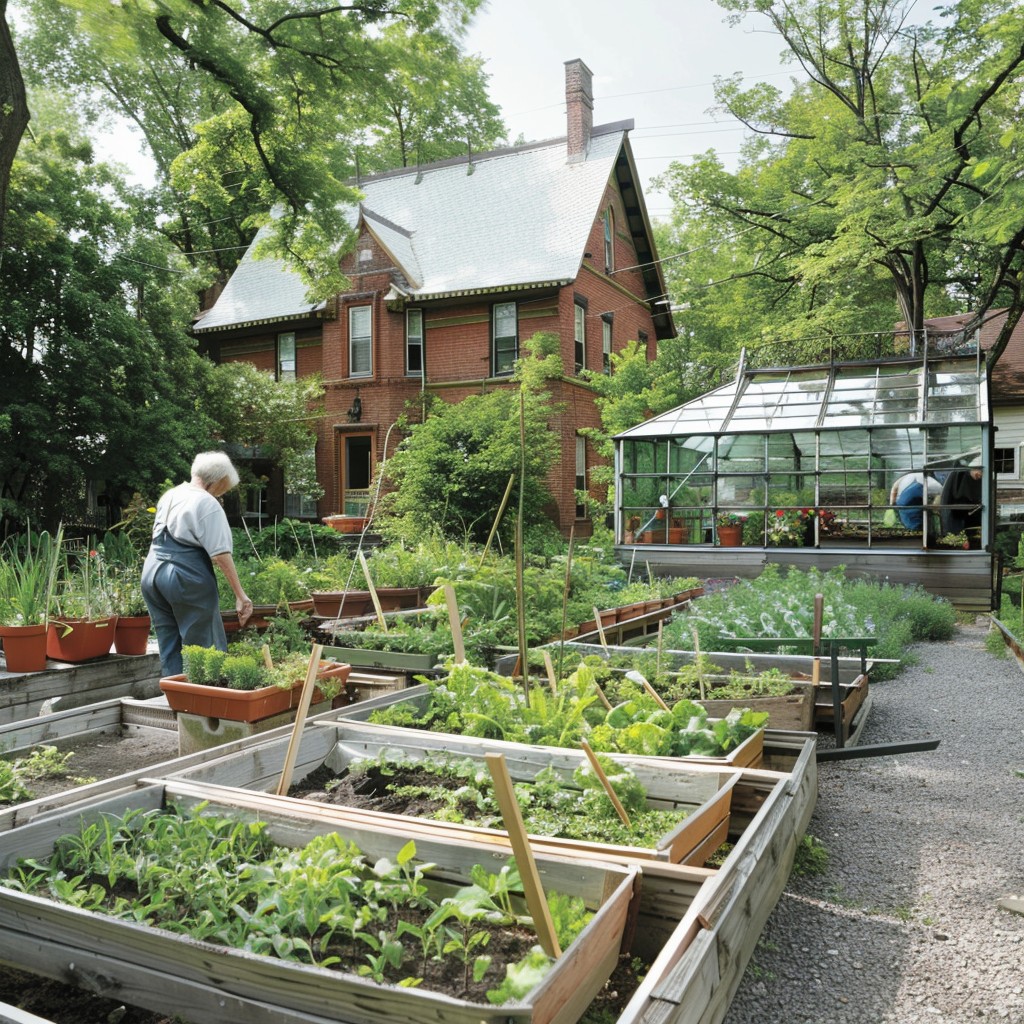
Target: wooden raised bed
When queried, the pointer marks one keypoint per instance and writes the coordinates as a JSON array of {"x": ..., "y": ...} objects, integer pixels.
[
  {"x": 747, "y": 755},
  {"x": 210, "y": 984},
  {"x": 705, "y": 795}
]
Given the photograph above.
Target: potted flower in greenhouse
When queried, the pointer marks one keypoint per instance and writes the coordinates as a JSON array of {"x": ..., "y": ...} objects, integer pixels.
[
  {"x": 787, "y": 527},
  {"x": 29, "y": 569},
  {"x": 729, "y": 526}
]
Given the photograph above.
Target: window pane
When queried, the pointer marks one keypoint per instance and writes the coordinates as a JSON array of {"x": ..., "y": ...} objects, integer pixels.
[
  {"x": 360, "y": 349},
  {"x": 414, "y": 342},
  {"x": 505, "y": 342},
  {"x": 286, "y": 356},
  {"x": 579, "y": 335}
]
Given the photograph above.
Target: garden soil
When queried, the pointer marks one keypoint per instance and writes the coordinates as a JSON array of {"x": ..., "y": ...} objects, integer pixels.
[{"x": 904, "y": 926}]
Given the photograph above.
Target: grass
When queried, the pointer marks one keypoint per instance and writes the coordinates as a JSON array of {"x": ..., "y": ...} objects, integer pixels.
[
  {"x": 811, "y": 857},
  {"x": 995, "y": 644}
]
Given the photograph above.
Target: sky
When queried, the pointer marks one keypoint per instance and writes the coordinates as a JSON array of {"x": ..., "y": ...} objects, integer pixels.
[{"x": 654, "y": 61}]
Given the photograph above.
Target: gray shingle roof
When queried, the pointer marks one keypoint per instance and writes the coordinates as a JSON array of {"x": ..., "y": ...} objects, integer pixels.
[{"x": 519, "y": 216}]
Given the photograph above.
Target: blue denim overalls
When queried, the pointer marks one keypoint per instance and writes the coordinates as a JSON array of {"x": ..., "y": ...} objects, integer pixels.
[{"x": 180, "y": 589}]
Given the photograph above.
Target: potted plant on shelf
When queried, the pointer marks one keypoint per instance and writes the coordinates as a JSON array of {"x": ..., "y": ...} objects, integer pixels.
[
  {"x": 678, "y": 531},
  {"x": 242, "y": 687},
  {"x": 729, "y": 526},
  {"x": 28, "y": 575},
  {"x": 632, "y": 525},
  {"x": 123, "y": 570}
]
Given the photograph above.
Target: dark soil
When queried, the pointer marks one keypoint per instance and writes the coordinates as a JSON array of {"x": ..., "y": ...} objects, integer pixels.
[{"x": 369, "y": 791}]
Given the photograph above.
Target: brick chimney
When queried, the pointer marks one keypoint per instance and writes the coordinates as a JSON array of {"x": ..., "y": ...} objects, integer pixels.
[{"x": 579, "y": 109}]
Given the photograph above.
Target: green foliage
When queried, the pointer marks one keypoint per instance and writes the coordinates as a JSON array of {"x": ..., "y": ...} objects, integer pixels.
[
  {"x": 810, "y": 858},
  {"x": 450, "y": 472},
  {"x": 780, "y": 603},
  {"x": 40, "y": 763},
  {"x": 202, "y": 665},
  {"x": 29, "y": 570},
  {"x": 224, "y": 881}
]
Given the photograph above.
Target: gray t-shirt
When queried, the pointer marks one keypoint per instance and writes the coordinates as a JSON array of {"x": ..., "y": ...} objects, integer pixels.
[{"x": 194, "y": 516}]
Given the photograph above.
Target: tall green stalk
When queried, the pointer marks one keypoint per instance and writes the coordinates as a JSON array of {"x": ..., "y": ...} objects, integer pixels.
[{"x": 520, "y": 586}]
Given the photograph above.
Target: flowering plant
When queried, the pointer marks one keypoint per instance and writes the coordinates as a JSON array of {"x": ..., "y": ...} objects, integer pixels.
[
  {"x": 786, "y": 526},
  {"x": 955, "y": 540},
  {"x": 730, "y": 519}
]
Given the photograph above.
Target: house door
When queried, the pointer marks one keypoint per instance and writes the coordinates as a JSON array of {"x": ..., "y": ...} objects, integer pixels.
[{"x": 356, "y": 473}]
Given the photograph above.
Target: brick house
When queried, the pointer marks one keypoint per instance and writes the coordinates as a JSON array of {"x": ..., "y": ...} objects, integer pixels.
[{"x": 456, "y": 264}]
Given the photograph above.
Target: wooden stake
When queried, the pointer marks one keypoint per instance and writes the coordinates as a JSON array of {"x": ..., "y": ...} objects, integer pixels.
[
  {"x": 819, "y": 604},
  {"x": 604, "y": 700},
  {"x": 536, "y": 901},
  {"x": 651, "y": 691},
  {"x": 497, "y": 518},
  {"x": 600, "y": 627},
  {"x": 612, "y": 795},
  {"x": 267, "y": 659},
  {"x": 657, "y": 662},
  {"x": 697, "y": 662},
  {"x": 373, "y": 593},
  {"x": 549, "y": 665},
  {"x": 456, "y": 623},
  {"x": 305, "y": 699}
]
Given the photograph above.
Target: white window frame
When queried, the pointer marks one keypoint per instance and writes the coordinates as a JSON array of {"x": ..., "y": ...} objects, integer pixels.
[
  {"x": 581, "y": 473},
  {"x": 606, "y": 344},
  {"x": 579, "y": 336},
  {"x": 414, "y": 342},
  {"x": 609, "y": 240},
  {"x": 360, "y": 341},
  {"x": 498, "y": 366},
  {"x": 1014, "y": 452},
  {"x": 286, "y": 358}
]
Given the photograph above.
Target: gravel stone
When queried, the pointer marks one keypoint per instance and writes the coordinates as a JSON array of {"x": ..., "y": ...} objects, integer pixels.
[{"x": 903, "y": 927}]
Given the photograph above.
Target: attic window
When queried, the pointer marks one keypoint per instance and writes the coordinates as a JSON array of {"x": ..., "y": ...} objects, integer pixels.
[
  {"x": 365, "y": 255},
  {"x": 609, "y": 243}
]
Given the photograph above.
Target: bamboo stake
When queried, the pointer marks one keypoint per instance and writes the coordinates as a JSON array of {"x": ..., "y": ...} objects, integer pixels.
[
  {"x": 612, "y": 795},
  {"x": 819, "y": 603},
  {"x": 267, "y": 659},
  {"x": 697, "y": 662},
  {"x": 604, "y": 700},
  {"x": 600, "y": 627},
  {"x": 305, "y": 699},
  {"x": 536, "y": 901},
  {"x": 565, "y": 599},
  {"x": 456, "y": 624},
  {"x": 373, "y": 593},
  {"x": 636, "y": 677},
  {"x": 524, "y": 654},
  {"x": 657, "y": 660},
  {"x": 549, "y": 665},
  {"x": 497, "y": 518}
]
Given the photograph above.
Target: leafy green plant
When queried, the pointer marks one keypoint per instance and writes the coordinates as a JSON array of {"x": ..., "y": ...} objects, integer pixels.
[
  {"x": 29, "y": 571},
  {"x": 810, "y": 857},
  {"x": 44, "y": 762}
]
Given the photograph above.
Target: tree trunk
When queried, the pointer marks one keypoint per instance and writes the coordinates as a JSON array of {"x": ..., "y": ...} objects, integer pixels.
[{"x": 13, "y": 112}]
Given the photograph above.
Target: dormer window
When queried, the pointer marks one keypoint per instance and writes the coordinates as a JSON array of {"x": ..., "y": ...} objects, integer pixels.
[{"x": 609, "y": 241}]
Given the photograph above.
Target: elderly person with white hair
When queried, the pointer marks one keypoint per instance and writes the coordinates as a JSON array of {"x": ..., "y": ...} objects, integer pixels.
[{"x": 190, "y": 536}]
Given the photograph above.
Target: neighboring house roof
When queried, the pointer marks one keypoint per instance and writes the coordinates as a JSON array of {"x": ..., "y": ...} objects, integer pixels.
[
  {"x": 512, "y": 218},
  {"x": 1007, "y": 376}
]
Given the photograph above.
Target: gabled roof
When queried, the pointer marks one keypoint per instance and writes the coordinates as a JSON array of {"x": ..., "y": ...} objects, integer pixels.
[{"x": 513, "y": 218}]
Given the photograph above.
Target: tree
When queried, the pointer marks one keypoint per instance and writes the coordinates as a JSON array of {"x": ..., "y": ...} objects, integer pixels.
[
  {"x": 898, "y": 162},
  {"x": 264, "y": 103},
  {"x": 98, "y": 379},
  {"x": 252, "y": 410},
  {"x": 451, "y": 470}
]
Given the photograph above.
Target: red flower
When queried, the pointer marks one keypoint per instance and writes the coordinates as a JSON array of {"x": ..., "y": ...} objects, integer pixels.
[
  {"x": 779, "y": 513},
  {"x": 93, "y": 554}
]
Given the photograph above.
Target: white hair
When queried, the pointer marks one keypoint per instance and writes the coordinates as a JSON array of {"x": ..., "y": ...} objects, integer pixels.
[{"x": 212, "y": 467}]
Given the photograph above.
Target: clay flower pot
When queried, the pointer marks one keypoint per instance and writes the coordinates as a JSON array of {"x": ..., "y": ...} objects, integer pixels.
[
  {"x": 24, "y": 647},
  {"x": 131, "y": 634},
  {"x": 80, "y": 639}
]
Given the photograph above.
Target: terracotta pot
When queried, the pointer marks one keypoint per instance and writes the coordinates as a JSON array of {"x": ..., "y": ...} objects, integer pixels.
[
  {"x": 346, "y": 524},
  {"x": 24, "y": 647},
  {"x": 730, "y": 536},
  {"x": 243, "y": 705},
  {"x": 80, "y": 639},
  {"x": 131, "y": 634},
  {"x": 678, "y": 534}
]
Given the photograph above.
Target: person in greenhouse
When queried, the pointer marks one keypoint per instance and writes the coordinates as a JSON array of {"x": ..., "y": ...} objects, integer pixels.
[
  {"x": 908, "y": 495},
  {"x": 190, "y": 536},
  {"x": 963, "y": 488}
]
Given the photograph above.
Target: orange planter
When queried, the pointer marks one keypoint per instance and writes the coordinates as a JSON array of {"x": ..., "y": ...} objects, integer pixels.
[
  {"x": 346, "y": 524},
  {"x": 243, "y": 705},
  {"x": 80, "y": 639},
  {"x": 131, "y": 634},
  {"x": 24, "y": 648}
]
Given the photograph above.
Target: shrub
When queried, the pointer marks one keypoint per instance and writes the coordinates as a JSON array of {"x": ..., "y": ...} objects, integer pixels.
[{"x": 243, "y": 672}]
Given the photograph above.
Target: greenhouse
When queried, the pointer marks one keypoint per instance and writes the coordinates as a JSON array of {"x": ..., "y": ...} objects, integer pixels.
[{"x": 880, "y": 466}]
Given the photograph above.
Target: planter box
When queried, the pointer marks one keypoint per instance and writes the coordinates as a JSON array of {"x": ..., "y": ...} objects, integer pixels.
[
  {"x": 328, "y": 603},
  {"x": 242, "y": 705},
  {"x": 212, "y": 984},
  {"x": 397, "y": 661},
  {"x": 794, "y": 711},
  {"x": 346, "y": 524},
  {"x": 747, "y": 755},
  {"x": 705, "y": 794}
]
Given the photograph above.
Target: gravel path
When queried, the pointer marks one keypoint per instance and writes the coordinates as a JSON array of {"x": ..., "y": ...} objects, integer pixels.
[{"x": 903, "y": 926}]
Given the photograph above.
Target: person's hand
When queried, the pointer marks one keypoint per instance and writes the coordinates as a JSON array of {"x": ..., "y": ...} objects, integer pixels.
[{"x": 244, "y": 608}]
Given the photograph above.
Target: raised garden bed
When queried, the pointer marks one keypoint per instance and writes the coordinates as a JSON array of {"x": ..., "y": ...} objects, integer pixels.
[
  {"x": 211, "y": 984},
  {"x": 704, "y": 795}
]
